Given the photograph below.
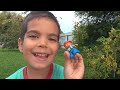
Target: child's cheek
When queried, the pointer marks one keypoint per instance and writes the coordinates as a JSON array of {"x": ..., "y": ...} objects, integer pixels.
[{"x": 28, "y": 44}]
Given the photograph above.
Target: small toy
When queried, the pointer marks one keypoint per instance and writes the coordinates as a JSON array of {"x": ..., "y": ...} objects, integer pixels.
[{"x": 71, "y": 48}]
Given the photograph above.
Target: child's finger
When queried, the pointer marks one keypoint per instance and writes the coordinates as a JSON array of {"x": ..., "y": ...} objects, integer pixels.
[
  {"x": 76, "y": 59},
  {"x": 67, "y": 56},
  {"x": 80, "y": 59}
]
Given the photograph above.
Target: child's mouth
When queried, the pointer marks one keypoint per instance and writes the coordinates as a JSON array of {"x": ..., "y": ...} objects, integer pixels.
[{"x": 41, "y": 56}]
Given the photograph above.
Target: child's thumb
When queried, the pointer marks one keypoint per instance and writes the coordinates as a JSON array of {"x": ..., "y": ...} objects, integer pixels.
[{"x": 67, "y": 56}]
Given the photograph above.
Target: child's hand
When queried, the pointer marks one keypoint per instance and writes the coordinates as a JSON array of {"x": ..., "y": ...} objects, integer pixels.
[{"x": 74, "y": 69}]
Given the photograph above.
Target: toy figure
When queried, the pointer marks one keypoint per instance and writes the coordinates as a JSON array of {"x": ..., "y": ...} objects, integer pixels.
[{"x": 71, "y": 48}]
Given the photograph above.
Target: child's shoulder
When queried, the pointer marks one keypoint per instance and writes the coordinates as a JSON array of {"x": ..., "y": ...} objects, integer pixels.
[
  {"x": 58, "y": 71},
  {"x": 17, "y": 75},
  {"x": 57, "y": 66}
]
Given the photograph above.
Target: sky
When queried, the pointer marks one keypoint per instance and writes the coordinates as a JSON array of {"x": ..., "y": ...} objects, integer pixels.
[{"x": 66, "y": 19}]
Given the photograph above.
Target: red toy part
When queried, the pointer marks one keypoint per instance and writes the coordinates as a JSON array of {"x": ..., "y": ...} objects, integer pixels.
[{"x": 65, "y": 43}]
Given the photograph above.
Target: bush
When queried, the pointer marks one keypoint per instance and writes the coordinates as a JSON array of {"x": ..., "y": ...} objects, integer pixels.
[
  {"x": 10, "y": 29},
  {"x": 103, "y": 60}
]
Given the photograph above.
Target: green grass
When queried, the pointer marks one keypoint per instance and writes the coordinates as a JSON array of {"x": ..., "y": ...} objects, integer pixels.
[
  {"x": 11, "y": 60},
  {"x": 59, "y": 57}
]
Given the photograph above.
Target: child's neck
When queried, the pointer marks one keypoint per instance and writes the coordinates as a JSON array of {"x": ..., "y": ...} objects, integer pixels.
[{"x": 37, "y": 74}]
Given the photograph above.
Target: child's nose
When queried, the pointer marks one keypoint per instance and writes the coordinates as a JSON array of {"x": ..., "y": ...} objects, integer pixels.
[{"x": 42, "y": 43}]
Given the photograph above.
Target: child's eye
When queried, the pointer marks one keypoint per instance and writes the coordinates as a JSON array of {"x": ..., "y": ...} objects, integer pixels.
[
  {"x": 33, "y": 36},
  {"x": 51, "y": 39}
]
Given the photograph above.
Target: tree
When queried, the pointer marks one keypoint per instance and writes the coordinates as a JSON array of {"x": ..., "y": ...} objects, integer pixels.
[
  {"x": 98, "y": 23},
  {"x": 102, "y": 61},
  {"x": 79, "y": 34},
  {"x": 10, "y": 28}
]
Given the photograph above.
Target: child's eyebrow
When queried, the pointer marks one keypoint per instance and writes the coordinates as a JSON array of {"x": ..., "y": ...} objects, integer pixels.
[
  {"x": 36, "y": 32},
  {"x": 33, "y": 31}
]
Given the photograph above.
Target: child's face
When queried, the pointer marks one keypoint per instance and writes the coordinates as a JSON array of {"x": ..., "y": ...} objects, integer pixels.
[{"x": 40, "y": 43}]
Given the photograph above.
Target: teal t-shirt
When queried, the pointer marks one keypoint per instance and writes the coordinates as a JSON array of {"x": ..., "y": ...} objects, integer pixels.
[{"x": 58, "y": 73}]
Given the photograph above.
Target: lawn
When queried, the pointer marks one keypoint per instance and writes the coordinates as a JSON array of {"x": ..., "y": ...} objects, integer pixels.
[{"x": 11, "y": 60}]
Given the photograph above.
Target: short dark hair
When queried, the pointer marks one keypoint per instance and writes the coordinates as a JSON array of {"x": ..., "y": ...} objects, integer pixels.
[{"x": 37, "y": 14}]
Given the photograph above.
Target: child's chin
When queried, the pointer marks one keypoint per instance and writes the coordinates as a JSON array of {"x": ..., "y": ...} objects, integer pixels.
[{"x": 39, "y": 67}]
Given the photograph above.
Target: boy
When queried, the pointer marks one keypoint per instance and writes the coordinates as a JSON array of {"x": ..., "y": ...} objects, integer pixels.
[{"x": 39, "y": 43}]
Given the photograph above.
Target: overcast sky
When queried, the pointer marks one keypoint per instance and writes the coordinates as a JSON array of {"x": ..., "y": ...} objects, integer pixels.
[{"x": 66, "y": 20}]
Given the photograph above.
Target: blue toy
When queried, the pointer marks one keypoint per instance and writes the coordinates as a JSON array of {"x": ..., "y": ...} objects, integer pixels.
[{"x": 71, "y": 48}]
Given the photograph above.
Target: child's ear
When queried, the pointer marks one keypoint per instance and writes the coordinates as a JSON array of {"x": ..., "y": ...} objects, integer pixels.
[{"x": 20, "y": 44}]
